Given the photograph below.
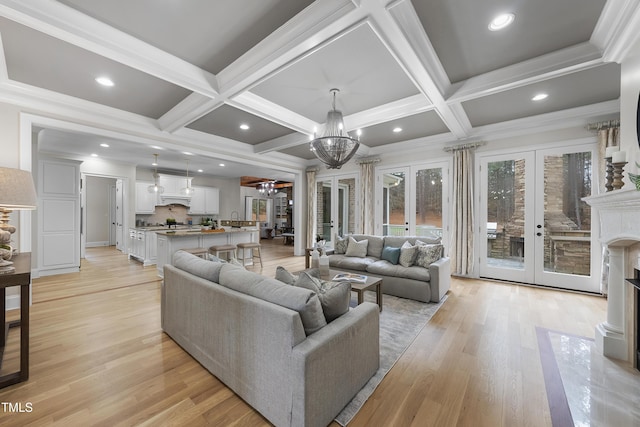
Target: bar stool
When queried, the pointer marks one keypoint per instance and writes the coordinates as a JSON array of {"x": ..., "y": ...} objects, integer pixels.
[
  {"x": 199, "y": 252},
  {"x": 216, "y": 249},
  {"x": 255, "y": 250}
]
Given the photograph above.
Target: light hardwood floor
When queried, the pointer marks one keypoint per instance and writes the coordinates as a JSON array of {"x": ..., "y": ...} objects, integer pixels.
[{"x": 99, "y": 357}]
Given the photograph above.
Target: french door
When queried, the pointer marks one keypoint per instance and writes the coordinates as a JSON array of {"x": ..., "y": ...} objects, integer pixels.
[
  {"x": 533, "y": 225},
  {"x": 336, "y": 210},
  {"x": 411, "y": 200}
]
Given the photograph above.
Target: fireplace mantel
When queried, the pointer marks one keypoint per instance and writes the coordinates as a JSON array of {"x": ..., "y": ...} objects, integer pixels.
[{"x": 619, "y": 217}]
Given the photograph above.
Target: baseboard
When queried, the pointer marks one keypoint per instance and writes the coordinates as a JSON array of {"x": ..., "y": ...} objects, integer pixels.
[{"x": 97, "y": 244}]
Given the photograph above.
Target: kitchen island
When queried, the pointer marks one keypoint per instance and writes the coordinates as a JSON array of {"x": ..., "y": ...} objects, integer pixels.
[{"x": 170, "y": 241}]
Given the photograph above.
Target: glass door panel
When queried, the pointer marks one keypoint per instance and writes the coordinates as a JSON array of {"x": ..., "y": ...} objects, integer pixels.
[
  {"x": 428, "y": 199},
  {"x": 394, "y": 204},
  {"x": 565, "y": 258},
  {"x": 324, "y": 191},
  {"x": 346, "y": 216}
]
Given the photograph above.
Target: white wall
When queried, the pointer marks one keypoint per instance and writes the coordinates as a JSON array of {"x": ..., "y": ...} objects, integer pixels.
[
  {"x": 98, "y": 204},
  {"x": 629, "y": 88}
]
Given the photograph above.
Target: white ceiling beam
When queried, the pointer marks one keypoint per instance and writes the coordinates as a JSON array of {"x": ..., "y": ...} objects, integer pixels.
[
  {"x": 616, "y": 31},
  {"x": 268, "y": 110},
  {"x": 399, "y": 28},
  {"x": 383, "y": 113},
  {"x": 67, "y": 24},
  {"x": 555, "y": 64},
  {"x": 281, "y": 143},
  {"x": 188, "y": 110}
]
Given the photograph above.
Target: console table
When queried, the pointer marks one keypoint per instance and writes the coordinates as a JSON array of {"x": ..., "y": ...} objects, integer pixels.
[{"x": 21, "y": 277}]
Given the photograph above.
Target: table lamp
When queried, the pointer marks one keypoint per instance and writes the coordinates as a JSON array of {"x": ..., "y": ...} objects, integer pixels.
[{"x": 17, "y": 192}]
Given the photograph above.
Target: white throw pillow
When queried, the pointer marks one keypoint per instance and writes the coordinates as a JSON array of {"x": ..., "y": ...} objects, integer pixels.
[
  {"x": 341, "y": 244},
  {"x": 283, "y": 275},
  {"x": 357, "y": 249},
  {"x": 408, "y": 254}
]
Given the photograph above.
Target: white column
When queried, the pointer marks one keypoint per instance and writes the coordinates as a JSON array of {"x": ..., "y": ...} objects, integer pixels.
[{"x": 610, "y": 335}]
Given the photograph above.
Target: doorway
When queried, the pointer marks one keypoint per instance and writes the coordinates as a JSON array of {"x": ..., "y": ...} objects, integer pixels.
[
  {"x": 411, "y": 201},
  {"x": 534, "y": 227},
  {"x": 336, "y": 208}
]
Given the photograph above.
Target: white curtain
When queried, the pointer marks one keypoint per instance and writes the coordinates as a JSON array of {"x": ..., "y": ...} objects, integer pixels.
[
  {"x": 367, "y": 195},
  {"x": 311, "y": 207},
  {"x": 463, "y": 219}
]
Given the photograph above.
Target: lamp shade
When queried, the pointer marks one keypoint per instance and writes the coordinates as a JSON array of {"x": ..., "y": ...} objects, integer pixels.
[{"x": 17, "y": 191}]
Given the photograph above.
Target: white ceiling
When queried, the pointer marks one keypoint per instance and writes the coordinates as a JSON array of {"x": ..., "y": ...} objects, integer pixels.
[{"x": 187, "y": 74}]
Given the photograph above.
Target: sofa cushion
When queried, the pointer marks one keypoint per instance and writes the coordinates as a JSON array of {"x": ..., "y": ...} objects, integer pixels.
[
  {"x": 428, "y": 254},
  {"x": 304, "y": 301},
  {"x": 407, "y": 254},
  {"x": 197, "y": 266},
  {"x": 391, "y": 254},
  {"x": 398, "y": 241},
  {"x": 283, "y": 275},
  {"x": 385, "y": 268},
  {"x": 350, "y": 263},
  {"x": 357, "y": 248},
  {"x": 334, "y": 296},
  {"x": 375, "y": 246},
  {"x": 340, "y": 246}
]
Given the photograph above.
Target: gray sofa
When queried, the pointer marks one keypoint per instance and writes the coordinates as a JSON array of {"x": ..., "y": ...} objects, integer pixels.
[
  {"x": 264, "y": 339},
  {"x": 413, "y": 282}
]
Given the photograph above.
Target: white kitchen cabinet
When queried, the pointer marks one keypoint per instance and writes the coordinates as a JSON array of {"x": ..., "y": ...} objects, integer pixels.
[
  {"x": 205, "y": 201},
  {"x": 143, "y": 246},
  {"x": 145, "y": 201}
]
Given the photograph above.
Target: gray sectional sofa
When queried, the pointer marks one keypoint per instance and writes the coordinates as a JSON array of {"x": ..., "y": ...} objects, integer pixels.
[
  {"x": 268, "y": 341},
  {"x": 413, "y": 281}
]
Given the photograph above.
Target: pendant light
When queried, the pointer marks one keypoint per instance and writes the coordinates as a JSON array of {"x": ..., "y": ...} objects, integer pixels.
[
  {"x": 188, "y": 190},
  {"x": 336, "y": 147},
  {"x": 155, "y": 187}
]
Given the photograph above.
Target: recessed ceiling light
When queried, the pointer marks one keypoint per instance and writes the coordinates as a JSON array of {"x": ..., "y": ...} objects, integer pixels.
[
  {"x": 200, "y": 170},
  {"x": 501, "y": 21},
  {"x": 156, "y": 147},
  {"x": 397, "y": 130},
  {"x": 539, "y": 97},
  {"x": 187, "y": 153},
  {"x": 104, "y": 145},
  {"x": 154, "y": 164},
  {"x": 104, "y": 81},
  {"x": 94, "y": 155},
  {"x": 221, "y": 165},
  {"x": 244, "y": 126}
]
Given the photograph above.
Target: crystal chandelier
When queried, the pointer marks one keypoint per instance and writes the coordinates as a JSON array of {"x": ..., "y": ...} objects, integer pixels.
[
  {"x": 188, "y": 190},
  {"x": 155, "y": 187},
  {"x": 267, "y": 188},
  {"x": 335, "y": 147}
]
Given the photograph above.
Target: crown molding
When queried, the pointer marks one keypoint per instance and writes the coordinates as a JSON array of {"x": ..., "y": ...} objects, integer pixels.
[{"x": 616, "y": 31}]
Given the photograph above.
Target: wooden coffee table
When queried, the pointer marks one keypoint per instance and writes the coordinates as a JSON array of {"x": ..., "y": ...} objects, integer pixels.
[{"x": 371, "y": 284}]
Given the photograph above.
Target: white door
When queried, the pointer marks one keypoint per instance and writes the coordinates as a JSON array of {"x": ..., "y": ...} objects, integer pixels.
[
  {"x": 412, "y": 200},
  {"x": 120, "y": 237},
  {"x": 533, "y": 225},
  {"x": 336, "y": 207}
]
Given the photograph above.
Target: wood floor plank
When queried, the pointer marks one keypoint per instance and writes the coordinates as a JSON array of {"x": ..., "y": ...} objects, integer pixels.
[{"x": 99, "y": 356}]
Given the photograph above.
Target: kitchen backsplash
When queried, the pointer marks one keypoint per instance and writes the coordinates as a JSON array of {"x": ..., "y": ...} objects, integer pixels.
[{"x": 178, "y": 212}]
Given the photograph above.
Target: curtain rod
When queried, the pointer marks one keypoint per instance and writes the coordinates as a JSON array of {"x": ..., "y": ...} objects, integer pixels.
[
  {"x": 364, "y": 160},
  {"x": 604, "y": 125},
  {"x": 464, "y": 146}
]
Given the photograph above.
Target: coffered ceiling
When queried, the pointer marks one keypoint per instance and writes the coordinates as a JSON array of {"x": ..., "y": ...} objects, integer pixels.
[{"x": 187, "y": 74}]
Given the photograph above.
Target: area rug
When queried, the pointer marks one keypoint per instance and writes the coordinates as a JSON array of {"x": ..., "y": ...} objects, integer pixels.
[{"x": 401, "y": 320}]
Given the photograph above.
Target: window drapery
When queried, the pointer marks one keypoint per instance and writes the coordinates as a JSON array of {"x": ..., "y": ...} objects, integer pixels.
[
  {"x": 367, "y": 195},
  {"x": 311, "y": 207},
  {"x": 463, "y": 215}
]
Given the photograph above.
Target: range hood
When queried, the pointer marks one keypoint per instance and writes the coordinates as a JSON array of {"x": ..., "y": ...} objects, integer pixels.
[{"x": 174, "y": 199}]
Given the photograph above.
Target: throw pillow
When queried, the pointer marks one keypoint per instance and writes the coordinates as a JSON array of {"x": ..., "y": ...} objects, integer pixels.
[
  {"x": 428, "y": 254},
  {"x": 391, "y": 254},
  {"x": 334, "y": 296},
  {"x": 341, "y": 244},
  {"x": 283, "y": 275},
  {"x": 357, "y": 249},
  {"x": 408, "y": 254}
]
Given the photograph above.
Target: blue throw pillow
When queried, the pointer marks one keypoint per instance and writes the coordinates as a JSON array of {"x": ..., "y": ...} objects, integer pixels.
[{"x": 391, "y": 254}]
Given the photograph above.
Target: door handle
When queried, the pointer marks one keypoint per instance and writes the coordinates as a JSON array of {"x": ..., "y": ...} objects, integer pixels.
[{"x": 538, "y": 234}]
